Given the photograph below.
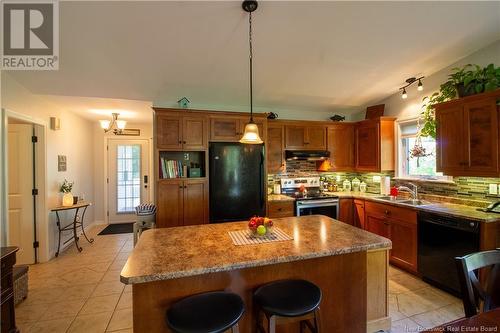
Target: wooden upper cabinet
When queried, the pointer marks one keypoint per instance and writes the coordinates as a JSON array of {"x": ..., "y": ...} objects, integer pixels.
[
  {"x": 341, "y": 145},
  {"x": 170, "y": 198},
  {"x": 195, "y": 132},
  {"x": 275, "y": 155},
  {"x": 179, "y": 132},
  {"x": 225, "y": 129},
  {"x": 169, "y": 132},
  {"x": 375, "y": 145},
  {"x": 450, "y": 149},
  {"x": 299, "y": 137},
  {"x": 468, "y": 136},
  {"x": 195, "y": 202}
]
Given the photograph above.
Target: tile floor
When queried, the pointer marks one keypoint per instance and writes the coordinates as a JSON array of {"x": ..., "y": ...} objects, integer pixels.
[{"x": 81, "y": 292}]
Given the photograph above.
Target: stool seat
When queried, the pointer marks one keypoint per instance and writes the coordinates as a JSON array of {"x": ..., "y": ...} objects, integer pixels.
[
  {"x": 211, "y": 312},
  {"x": 288, "y": 298}
]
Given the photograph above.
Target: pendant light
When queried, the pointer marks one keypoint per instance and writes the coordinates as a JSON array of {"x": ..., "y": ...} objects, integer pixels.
[{"x": 251, "y": 133}]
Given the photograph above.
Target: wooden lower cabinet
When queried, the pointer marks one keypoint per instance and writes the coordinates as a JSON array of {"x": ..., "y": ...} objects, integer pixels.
[
  {"x": 181, "y": 202},
  {"x": 346, "y": 211},
  {"x": 359, "y": 213},
  {"x": 277, "y": 209},
  {"x": 400, "y": 226}
]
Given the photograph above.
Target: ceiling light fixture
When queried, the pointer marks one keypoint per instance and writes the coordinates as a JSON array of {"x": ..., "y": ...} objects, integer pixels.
[
  {"x": 251, "y": 133},
  {"x": 107, "y": 125},
  {"x": 409, "y": 82}
]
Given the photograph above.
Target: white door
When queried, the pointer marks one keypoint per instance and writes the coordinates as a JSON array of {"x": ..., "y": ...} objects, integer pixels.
[
  {"x": 128, "y": 168},
  {"x": 21, "y": 213}
]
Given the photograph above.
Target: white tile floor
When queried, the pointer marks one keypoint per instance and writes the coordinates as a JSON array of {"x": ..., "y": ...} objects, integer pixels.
[{"x": 81, "y": 292}]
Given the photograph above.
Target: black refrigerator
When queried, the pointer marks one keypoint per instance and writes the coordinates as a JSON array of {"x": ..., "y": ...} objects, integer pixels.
[{"x": 237, "y": 182}]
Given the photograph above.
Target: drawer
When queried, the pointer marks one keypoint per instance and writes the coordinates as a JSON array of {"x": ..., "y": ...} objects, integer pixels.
[
  {"x": 392, "y": 212},
  {"x": 280, "y": 209}
]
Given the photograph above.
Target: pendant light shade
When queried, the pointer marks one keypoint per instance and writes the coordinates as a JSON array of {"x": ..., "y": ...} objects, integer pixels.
[{"x": 251, "y": 134}]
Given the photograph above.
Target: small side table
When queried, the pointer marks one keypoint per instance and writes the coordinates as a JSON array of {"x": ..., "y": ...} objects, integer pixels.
[{"x": 77, "y": 222}]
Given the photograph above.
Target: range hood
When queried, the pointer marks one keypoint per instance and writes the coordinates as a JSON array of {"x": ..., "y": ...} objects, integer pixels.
[{"x": 307, "y": 155}]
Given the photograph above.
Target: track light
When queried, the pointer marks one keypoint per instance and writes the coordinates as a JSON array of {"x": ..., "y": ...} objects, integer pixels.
[
  {"x": 409, "y": 82},
  {"x": 404, "y": 95}
]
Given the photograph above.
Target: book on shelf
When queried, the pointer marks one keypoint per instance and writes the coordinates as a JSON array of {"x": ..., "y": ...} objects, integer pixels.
[{"x": 172, "y": 169}]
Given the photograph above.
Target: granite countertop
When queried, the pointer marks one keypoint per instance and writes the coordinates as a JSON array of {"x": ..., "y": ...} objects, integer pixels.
[
  {"x": 169, "y": 253},
  {"x": 279, "y": 197},
  {"x": 446, "y": 208}
]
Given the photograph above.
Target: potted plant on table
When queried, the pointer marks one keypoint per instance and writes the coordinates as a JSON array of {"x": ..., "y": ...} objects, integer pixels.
[
  {"x": 66, "y": 187},
  {"x": 465, "y": 81}
]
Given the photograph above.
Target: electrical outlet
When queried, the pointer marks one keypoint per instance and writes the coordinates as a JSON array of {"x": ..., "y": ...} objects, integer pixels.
[
  {"x": 493, "y": 189},
  {"x": 376, "y": 179},
  {"x": 338, "y": 178}
]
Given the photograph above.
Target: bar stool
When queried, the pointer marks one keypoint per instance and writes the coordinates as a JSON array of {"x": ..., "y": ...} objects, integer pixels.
[
  {"x": 212, "y": 312},
  {"x": 288, "y": 301}
]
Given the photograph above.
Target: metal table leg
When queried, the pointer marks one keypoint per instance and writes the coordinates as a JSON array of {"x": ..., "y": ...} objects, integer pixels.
[
  {"x": 83, "y": 230},
  {"x": 59, "y": 228},
  {"x": 74, "y": 230}
]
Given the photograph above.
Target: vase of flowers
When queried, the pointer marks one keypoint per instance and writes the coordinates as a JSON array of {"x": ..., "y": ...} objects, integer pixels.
[{"x": 65, "y": 189}]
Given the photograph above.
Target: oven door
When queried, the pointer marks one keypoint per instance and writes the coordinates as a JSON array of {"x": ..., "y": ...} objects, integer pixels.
[{"x": 327, "y": 207}]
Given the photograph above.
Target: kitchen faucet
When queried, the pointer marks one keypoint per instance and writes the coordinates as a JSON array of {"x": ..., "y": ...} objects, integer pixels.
[{"x": 414, "y": 192}]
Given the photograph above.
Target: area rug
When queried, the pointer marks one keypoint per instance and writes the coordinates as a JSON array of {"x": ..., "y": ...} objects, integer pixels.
[{"x": 118, "y": 228}]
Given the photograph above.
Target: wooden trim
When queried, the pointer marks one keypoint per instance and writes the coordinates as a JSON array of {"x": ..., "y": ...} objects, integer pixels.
[
  {"x": 468, "y": 99},
  {"x": 176, "y": 111}
]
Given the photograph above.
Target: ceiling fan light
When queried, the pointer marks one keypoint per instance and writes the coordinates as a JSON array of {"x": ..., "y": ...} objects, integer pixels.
[
  {"x": 104, "y": 123},
  {"x": 251, "y": 134}
]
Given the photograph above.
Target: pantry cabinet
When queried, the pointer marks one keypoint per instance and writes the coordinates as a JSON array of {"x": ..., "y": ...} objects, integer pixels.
[
  {"x": 177, "y": 132},
  {"x": 182, "y": 202},
  {"x": 467, "y": 136},
  {"x": 375, "y": 145},
  {"x": 400, "y": 226}
]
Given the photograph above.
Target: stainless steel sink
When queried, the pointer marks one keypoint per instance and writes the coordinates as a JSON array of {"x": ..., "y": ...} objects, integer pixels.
[
  {"x": 415, "y": 202},
  {"x": 392, "y": 199}
]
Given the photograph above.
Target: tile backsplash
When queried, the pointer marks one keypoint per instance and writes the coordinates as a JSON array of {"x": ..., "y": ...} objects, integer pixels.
[{"x": 475, "y": 188}]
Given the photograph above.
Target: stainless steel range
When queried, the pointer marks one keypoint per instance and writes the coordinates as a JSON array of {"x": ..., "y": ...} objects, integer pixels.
[{"x": 310, "y": 200}]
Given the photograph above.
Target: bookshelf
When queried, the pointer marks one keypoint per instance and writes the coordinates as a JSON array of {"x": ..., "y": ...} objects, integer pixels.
[{"x": 181, "y": 164}]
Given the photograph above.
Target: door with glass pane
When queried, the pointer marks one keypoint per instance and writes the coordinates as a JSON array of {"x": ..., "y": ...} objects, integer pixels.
[{"x": 128, "y": 183}]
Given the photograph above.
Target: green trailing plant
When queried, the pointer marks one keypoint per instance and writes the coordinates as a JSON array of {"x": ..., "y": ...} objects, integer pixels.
[
  {"x": 467, "y": 80},
  {"x": 66, "y": 186}
]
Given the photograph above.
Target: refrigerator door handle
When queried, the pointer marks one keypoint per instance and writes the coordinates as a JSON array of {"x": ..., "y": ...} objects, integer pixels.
[{"x": 261, "y": 176}]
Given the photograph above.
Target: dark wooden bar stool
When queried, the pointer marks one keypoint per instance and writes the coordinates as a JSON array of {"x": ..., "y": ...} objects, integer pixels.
[
  {"x": 212, "y": 312},
  {"x": 288, "y": 301}
]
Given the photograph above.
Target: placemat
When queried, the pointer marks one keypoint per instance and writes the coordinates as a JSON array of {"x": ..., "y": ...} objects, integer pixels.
[{"x": 246, "y": 237}]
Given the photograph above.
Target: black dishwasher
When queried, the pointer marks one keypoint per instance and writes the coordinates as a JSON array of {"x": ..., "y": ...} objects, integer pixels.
[{"x": 441, "y": 238}]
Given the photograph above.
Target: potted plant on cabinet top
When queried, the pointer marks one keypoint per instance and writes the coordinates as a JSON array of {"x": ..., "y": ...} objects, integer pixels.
[
  {"x": 465, "y": 81},
  {"x": 66, "y": 187}
]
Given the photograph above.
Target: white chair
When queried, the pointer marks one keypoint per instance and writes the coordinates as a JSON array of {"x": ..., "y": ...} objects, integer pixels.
[{"x": 146, "y": 217}]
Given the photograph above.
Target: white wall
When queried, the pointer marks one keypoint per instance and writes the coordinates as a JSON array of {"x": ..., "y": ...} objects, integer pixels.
[
  {"x": 411, "y": 107},
  {"x": 75, "y": 140},
  {"x": 100, "y": 164}
]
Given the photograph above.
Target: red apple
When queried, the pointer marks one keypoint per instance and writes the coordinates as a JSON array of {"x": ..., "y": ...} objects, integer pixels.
[{"x": 252, "y": 224}]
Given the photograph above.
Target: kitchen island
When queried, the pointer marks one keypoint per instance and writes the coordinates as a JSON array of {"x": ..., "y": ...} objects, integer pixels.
[{"x": 347, "y": 263}]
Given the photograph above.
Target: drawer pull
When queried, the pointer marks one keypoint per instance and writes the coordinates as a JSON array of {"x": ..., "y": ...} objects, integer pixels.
[{"x": 280, "y": 209}]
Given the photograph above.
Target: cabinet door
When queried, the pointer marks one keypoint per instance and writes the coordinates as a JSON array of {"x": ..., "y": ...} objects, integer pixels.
[
  {"x": 368, "y": 146},
  {"x": 195, "y": 132},
  {"x": 295, "y": 137},
  {"x": 404, "y": 243},
  {"x": 341, "y": 147},
  {"x": 168, "y": 132},
  {"x": 346, "y": 211},
  {"x": 225, "y": 129},
  {"x": 316, "y": 137},
  {"x": 275, "y": 158},
  {"x": 481, "y": 148},
  {"x": 450, "y": 140},
  {"x": 378, "y": 225},
  {"x": 195, "y": 202},
  {"x": 169, "y": 202},
  {"x": 359, "y": 213}
]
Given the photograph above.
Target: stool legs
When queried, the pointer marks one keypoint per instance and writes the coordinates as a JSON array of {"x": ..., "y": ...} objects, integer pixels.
[
  {"x": 305, "y": 322},
  {"x": 235, "y": 329}
]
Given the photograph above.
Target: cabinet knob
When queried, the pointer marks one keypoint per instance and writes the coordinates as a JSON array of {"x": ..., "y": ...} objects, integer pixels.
[
  {"x": 387, "y": 212},
  {"x": 280, "y": 209},
  {"x": 180, "y": 141},
  {"x": 184, "y": 142}
]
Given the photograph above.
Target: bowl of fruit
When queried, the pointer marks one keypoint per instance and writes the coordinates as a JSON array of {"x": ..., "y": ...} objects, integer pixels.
[{"x": 260, "y": 226}]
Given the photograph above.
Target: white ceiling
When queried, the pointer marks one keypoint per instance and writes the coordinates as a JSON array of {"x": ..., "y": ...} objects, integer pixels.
[{"x": 318, "y": 56}]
